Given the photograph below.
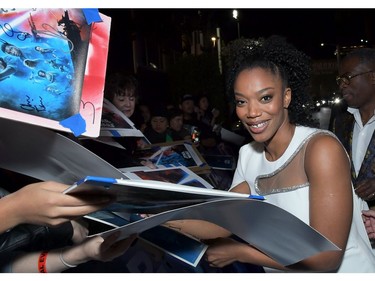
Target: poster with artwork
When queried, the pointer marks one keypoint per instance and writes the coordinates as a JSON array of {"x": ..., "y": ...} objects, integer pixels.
[
  {"x": 52, "y": 67},
  {"x": 177, "y": 153}
]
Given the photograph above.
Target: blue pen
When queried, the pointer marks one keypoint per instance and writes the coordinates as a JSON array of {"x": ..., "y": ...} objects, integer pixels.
[{"x": 257, "y": 197}]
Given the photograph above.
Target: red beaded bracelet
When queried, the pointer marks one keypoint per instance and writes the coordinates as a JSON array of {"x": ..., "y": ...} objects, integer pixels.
[{"x": 42, "y": 262}]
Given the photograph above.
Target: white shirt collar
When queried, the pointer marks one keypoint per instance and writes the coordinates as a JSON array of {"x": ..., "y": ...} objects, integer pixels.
[{"x": 357, "y": 116}]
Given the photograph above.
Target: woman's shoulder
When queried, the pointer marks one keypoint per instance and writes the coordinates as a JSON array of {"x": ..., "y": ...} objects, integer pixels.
[
  {"x": 307, "y": 134},
  {"x": 322, "y": 137},
  {"x": 325, "y": 144},
  {"x": 316, "y": 143}
]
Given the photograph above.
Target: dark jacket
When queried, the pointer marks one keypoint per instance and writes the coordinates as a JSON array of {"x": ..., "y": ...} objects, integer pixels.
[{"x": 343, "y": 126}]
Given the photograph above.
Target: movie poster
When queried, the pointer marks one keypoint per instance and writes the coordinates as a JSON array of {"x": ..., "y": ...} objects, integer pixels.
[{"x": 45, "y": 66}]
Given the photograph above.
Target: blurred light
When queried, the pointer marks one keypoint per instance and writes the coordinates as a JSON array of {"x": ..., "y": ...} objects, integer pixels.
[
  {"x": 337, "y": 100},
  {"x": 213, "y": 39},
  {"x": 235, "y": 14}
]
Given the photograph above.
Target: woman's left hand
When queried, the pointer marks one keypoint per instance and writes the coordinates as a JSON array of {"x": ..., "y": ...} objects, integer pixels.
[{"x": 222, "y": 251}]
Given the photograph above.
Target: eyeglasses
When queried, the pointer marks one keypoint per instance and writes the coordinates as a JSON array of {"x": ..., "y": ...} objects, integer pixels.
[{"x": 346, "y": 78}]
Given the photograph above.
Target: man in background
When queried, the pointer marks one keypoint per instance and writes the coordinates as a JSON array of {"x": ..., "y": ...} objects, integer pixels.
[{"x": 355, "y": 126}]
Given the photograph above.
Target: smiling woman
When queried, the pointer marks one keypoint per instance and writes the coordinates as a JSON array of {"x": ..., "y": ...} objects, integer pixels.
[{"x": 292, "y": 163}]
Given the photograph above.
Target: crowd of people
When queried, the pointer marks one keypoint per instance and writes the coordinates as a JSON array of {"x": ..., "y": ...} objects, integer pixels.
[
  {"x": 323, "y": 177},
  {"x": 190, "y": 119}
]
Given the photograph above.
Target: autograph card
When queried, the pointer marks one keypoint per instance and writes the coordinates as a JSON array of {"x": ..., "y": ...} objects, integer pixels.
[{"x": 48, "y": 59}]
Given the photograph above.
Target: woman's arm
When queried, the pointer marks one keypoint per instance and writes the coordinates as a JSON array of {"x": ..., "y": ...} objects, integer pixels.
[
  {"x": 331, "y": 198},
  {"x": 94, "y": 248}
]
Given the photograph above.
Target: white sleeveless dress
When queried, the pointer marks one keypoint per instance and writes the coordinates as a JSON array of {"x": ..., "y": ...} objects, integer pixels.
[{"x": 282, "y": 186}]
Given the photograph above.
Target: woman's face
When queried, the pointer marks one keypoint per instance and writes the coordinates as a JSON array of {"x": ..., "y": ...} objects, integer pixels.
[
  {"x": 159, "y": 124},
  {"x": 176, "y": 123},
  {"x": 125, "y": 103},
  {"x": 261, "y": 103}
]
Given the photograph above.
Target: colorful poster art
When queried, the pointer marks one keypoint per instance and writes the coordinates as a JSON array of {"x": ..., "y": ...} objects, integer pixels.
[{"x": 45, "y": 64}]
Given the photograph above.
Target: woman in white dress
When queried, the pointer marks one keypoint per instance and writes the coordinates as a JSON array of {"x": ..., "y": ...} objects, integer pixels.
[{"x": 296, "y": 166}]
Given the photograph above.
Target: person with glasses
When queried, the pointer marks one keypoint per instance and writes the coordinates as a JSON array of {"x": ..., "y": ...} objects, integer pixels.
[{"x": 355, "y": 126}]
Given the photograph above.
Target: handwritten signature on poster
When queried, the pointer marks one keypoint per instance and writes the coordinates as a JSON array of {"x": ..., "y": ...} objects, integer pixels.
[{"x": 31, "y": 106}]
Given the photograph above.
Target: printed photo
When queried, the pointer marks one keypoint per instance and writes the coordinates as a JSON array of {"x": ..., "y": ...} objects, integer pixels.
[{"x": 42, "y": 61}]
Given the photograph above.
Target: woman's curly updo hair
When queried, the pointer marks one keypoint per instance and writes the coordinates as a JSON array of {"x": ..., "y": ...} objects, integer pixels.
[{"x": 284, "y": 60}]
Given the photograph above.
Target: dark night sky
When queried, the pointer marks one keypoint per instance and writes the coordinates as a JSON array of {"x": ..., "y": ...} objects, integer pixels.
[{"x": 306, "y": 28}]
